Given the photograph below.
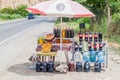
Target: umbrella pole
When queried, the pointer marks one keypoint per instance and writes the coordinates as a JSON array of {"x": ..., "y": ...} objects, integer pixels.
[{"x": 61, "y": 33}]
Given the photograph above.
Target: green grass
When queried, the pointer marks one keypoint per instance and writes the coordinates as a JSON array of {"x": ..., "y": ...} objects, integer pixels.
[{"x": 102, "y": 28}]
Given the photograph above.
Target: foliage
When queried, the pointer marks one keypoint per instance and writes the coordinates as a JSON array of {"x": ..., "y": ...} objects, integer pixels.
[
  {"x": 116, "y": 18},
  {"x": 115, "y": 6},
  {"x": 21, "y": 9},
  {"x": 9, "y": 13},
  {"x": 9, "y": 16},
  {"x": 8, "y": 10},
  {"x": 100, "y": 9}
]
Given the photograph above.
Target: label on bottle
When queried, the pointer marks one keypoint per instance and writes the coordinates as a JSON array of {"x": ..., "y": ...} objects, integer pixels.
[
  {"x": 86, "y": 35},
  {"x": 80, "y": 35},
  {"x": 96, "y": 35},
  {"x": 77, "y": 56},
  {"x": 80, "y": 46}
]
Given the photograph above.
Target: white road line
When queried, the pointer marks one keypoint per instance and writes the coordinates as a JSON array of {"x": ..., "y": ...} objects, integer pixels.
[{"x": 15, "y": 35}]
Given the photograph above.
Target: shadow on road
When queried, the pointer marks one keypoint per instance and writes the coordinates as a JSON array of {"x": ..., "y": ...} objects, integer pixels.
[{"x": 23, "y": 69}]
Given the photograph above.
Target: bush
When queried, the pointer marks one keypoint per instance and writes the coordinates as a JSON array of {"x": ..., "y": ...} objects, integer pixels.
[
  {"x": 7, "y": 10},
  {"x": 9, "y": 16},
  {"x": 116, "y": 18},
  {"x": 9, "y": 13},
  {"x": 21, "y": 9}
]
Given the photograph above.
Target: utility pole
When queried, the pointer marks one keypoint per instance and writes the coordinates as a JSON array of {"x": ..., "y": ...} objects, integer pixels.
[
  {"x": 14, "y": 4},
  {"x": 108, "y": 15},
  {"x": 0, "y": 4},
  {"x": 29, "y": 3},
  {"x": 108, "y": 24}
]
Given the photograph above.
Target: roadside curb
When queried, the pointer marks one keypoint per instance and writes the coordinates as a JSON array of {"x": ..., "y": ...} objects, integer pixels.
[{"x": 10, "y": 21}]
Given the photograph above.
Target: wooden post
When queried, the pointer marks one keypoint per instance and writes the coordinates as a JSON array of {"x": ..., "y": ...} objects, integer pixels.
[{"x": 60, "y": 32}]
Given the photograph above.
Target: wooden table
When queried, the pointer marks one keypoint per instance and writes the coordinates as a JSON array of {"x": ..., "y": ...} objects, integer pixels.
[{"x": 44, "y": 55}]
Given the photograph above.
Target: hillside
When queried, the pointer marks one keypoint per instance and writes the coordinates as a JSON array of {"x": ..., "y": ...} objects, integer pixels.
[{"x": 15, "y": 3}]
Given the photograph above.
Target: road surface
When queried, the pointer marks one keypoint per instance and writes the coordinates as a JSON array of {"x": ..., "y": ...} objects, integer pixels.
[
  {"x": 14, "y": 63},
  {"x": 11, "y": 28},
  {"x": 17, "y": 36}
]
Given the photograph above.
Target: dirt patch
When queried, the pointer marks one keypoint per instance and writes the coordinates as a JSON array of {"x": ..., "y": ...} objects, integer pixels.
[{"x": 116, "y": 45}]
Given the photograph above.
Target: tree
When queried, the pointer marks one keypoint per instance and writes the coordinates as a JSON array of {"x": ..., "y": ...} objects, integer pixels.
[{"x": 115, "y": 6}]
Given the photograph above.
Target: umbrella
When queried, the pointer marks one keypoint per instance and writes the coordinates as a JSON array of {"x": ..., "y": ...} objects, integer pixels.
[{"x": 61, "y": 8}]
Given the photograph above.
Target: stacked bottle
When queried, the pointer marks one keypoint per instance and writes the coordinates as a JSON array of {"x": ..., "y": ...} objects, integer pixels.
[
  {"x": 80, "y": 36},
  {"x": 95, "y": 36},
  {"x": 100, "y": 36},
  {"x": 56, "y": 32},
  {"x": 66, "y": 32},
  {"x": 86, "y": 36},
  {"x": 89, "y": 37},
  {"x": 69, "y": 33}
]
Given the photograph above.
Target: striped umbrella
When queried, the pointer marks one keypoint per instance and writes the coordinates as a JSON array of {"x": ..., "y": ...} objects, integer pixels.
[{"x": 64, "y": 8}]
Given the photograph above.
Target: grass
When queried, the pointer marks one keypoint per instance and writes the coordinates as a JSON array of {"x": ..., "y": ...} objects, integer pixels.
[{"x": 102, "y": 28}]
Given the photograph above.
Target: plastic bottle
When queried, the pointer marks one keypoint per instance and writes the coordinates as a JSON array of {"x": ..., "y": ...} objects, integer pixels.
[
  {"x": 87, "y": 66},
  {"x": 44, "y": 67},
  {"x": 97, "y": 66},
  {"x": 80, "y": 36},
  {"x": 50, "y": 66},
  {"x": 93, "y": 55},
  {"x": 71, "y": 66},
  {"x": 76, "y": 47},
  {"x": 100, "y": 56},
  {"x": 80, "y": 47},
  {"x": 100, "y": 45},
  {"x": 89, "y": 46},
  {"x": 38, "y": 66},
  {"x": 79, "y": 66},
  {"x": 100, "y": 36},
  {"x": 77, "y": 56},
  {"x": 63, "y": 33},
  {"x": 86, "y": 36},
  {"x": 95, "y": 46},
  {"x": 58, "y": 32},
  {"x": 90, "y": 37},
  {"x": 86, "y": 56},
  {"x": 66, "y": 32},
  {"x": 69, "y": 30},
  {"x": 95, "y": 36},
  {"x": 71, "y": 33},
  {"x": 54, "y": 31}
]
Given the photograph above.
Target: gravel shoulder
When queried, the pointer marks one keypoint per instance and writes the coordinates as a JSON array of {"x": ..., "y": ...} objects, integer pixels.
[{"x": 25, "y": 44}]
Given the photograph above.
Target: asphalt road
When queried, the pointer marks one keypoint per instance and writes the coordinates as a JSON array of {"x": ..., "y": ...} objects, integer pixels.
[
  {"x": 8, "y": 29},
  {"x": 20, "y": 37}
]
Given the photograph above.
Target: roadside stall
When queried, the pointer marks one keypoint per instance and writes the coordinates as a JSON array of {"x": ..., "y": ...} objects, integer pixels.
[{"x": 63, "y": 39}]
